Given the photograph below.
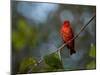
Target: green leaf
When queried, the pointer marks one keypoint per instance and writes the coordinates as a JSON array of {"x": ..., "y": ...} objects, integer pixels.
[
  {"x": 53, "y": 61},
  {"x": 21, "y": 24},
  {"x": 34, "y": 38},
  {"x": 24, "y": 35},
  {"x": 92, "y": 52},
  {"x": 24, "y": 28},
  {"x": 91, "y": 65},
  {"x": 18, "y": 40},
  {"x": 26, "y": 63}
]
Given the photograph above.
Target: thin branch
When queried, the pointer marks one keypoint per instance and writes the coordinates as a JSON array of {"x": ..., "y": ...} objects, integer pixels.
[
  {"x": 63, "y": 45},
  {"x": 83, "y": 27}
]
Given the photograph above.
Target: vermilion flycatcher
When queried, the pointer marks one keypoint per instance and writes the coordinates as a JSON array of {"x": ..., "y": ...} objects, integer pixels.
[{"x": 67, "y": 36}]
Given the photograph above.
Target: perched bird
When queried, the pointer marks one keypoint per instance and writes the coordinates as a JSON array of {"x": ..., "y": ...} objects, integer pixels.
[{"x": 67, "y": 36}]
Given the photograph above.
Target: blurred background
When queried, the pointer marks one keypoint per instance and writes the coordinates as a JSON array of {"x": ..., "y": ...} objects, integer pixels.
[{"x": 36, "y": 33}]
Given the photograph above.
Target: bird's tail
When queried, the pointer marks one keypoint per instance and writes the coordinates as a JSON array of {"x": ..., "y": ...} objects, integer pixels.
[{"x": 72, "y": 52}]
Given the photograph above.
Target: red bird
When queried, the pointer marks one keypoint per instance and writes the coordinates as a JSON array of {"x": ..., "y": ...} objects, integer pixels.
[{"x": 67, "y": 35}]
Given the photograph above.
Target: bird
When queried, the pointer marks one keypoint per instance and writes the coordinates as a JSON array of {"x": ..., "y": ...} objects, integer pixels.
[{"x": 68, "y": 35}]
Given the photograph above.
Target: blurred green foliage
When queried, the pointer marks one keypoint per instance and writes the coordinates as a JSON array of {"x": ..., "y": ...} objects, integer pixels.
[
  {"x": 24, "y": 35},
  {"x": 92, "y": 52},
  {"x": 26, "y": 63},
  {"x": 91, "y": 65},
  {"x": 53, "y": 60},
  {"x": 18, "y": 40}
]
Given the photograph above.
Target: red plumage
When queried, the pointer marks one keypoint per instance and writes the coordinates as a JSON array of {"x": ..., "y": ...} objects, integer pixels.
[{"x": 67, "y": 35}]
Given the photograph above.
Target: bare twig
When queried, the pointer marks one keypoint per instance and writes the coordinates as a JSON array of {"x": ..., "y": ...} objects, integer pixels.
[
  {"x": 83, "y": 27},
  {"x": 63, "y": 45}
]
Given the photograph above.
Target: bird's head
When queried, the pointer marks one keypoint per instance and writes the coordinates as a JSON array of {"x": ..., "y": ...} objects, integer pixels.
[{"x": 66, "y": 23}]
